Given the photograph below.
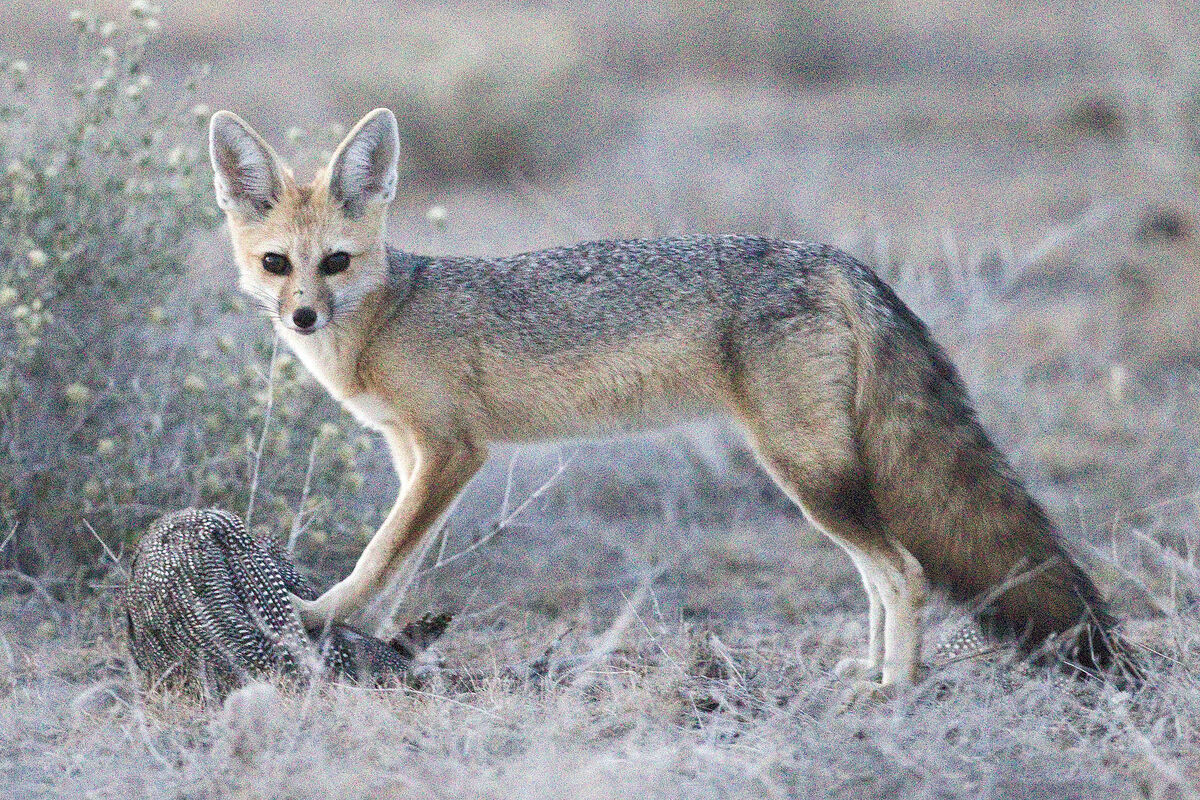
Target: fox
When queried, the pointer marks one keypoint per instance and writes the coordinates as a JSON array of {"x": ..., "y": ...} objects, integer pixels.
[{"x": 842, "y": 393}]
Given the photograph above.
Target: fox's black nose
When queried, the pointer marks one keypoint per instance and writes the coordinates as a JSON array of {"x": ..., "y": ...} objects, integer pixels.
[{"x": 304, "y": 317}]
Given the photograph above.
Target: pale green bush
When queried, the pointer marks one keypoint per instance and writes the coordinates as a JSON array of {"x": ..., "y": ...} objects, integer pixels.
[
  {"x": 496, "y": 95},
  {"x": 118, "y": 399}
]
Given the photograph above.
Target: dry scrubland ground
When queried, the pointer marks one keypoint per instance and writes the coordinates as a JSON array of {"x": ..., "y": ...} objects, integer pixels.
[{"x": 1034, "y": 215}]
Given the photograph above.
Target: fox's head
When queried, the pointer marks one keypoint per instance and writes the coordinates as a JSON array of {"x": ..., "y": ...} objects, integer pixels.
[{"x": 307, "y": 254}]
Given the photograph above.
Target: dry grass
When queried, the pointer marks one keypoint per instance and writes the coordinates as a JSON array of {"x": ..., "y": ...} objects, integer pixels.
[{"x": 643, "y": 705}]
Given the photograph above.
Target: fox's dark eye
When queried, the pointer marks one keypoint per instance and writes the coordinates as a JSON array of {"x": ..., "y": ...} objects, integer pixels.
[
  {"x": 276, "y": 263},
  {"x": 334, "y": 263}
]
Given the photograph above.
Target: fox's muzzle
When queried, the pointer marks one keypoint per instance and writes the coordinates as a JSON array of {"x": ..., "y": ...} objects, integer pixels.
[
  {"x": 305, "y": 319},
  {"x": 306, "y": 311}
]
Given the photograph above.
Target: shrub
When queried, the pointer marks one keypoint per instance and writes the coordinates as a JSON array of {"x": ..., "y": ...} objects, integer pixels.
[
  {"x": 488, "y": 96},
  {"x": 96, "y": 206},
  {"x": 118, "y": 399},
  {"x": 776, "y": 40}
]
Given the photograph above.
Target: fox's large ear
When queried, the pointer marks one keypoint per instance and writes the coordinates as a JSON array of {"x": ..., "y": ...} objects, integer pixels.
[
  {"x": 247, "y": 174},
  {"x": 363, "y": 169}
]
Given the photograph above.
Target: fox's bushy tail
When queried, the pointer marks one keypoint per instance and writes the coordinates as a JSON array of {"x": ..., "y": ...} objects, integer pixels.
[{"x": 952, "y": 499}]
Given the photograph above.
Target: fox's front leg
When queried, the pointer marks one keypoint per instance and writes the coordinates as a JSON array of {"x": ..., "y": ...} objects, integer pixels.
[{"x": 432, "y": 472}]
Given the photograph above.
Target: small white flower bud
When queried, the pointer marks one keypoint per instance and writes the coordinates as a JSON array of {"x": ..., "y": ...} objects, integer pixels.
[
  {"x": 77, "y": 394},
  {"x": 437, "y": 216}
]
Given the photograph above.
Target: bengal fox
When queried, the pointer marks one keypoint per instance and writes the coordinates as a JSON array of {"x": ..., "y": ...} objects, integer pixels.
[{"x": 845, "y": 398}]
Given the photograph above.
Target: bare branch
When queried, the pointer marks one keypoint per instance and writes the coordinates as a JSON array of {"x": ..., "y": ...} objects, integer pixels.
[
  {"x": 297, "y": 527},
  {"x": 8, "y": 538},
  {"x": 508, "y": 483},
  {"x": 607, "y": 642},
  {"x": 262, "y": 439},
  {"x": 503, "y": 522},
  {"x": 1061, "y": 235},
  {"x": 107, "y": 550}
]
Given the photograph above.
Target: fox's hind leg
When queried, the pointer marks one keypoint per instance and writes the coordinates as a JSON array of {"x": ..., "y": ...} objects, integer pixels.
[
  {"x": 873, "y": 663},
  {"x": 839, "y": 503},
  {"x": 802, "y": 430},
  {"x": 903, "y": 591}
]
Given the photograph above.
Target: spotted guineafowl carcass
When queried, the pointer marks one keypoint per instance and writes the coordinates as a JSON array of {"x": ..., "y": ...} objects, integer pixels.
[{"x": 207, "y": 609}]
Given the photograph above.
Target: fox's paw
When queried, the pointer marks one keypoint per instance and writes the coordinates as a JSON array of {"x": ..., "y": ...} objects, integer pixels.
[
  {"x": 860, "y": 694},
  {"x": 857, "y": 668},
  {"x": 340, "y": 605},
  {"x": 312, "y": 616}
]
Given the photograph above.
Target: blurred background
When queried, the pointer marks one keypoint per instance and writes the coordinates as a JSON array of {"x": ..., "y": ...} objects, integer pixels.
[{"x": 1024, "y": 173}]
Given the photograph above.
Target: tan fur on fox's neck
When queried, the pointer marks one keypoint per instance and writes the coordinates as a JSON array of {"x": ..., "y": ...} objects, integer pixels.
[{"x": 333, "y": 355}]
